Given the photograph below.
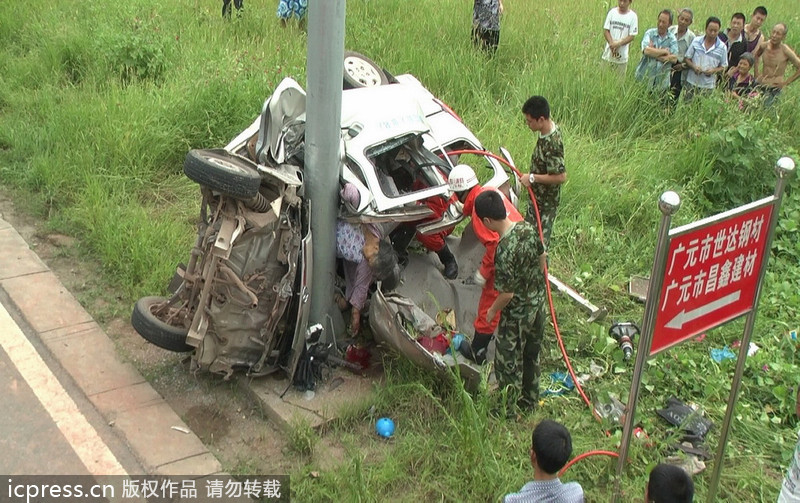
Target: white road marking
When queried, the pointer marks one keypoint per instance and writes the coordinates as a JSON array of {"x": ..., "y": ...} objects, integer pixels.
[{"x": 83, "y": 438}]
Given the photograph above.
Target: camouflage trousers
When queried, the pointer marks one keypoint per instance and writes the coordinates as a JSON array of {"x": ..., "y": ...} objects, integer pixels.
[
  {"x": 548, "y": 216},
  {"x": 517, "y": 347}
]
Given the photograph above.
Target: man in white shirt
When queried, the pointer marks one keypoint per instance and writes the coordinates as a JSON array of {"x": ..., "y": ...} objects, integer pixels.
[{"x": 619, "y": 30}]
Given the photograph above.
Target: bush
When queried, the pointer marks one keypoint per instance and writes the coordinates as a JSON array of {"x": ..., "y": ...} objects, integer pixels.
[{"x": 139, "y": 54}]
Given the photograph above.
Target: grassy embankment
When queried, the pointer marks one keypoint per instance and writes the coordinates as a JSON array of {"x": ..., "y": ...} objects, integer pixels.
[{"x": 99, "y": 102}]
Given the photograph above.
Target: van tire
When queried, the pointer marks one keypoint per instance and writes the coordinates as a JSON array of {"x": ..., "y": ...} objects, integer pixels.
[
  {"x": 156, "y": 331},
  {"x": 219, "y": 170}
]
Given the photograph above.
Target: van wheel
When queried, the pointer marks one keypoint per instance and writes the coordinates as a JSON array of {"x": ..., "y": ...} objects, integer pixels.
[
  {"x": 360, "y": 71},
  {"x": 156, "y": 331},
  {"x": 223, "y": 172}
]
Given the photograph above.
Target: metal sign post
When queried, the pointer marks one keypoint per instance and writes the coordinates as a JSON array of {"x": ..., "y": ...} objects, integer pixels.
[
  {"x": 669, "y": 203},
  {"x": 784, "y": 168},
  {"x": 323, "y": 125}
]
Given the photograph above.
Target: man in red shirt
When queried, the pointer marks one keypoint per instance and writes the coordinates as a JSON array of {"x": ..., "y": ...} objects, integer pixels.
[{"x": 464, "y": 184}]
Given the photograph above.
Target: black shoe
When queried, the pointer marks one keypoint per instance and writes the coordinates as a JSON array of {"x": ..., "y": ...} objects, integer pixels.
[
  {"x": 478, "y": 349},
  {"x": 449, "y": 261}
]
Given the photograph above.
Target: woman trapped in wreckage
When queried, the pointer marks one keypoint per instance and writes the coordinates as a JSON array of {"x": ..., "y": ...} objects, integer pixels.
[{"x": 366, "y": 255}]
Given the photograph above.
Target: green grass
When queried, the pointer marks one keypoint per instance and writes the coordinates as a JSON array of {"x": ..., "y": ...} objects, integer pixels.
[{"x": 100, "y": 101}]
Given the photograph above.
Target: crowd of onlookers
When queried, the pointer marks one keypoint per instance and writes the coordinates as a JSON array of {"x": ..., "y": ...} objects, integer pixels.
[{"x": 741, "y": 59}]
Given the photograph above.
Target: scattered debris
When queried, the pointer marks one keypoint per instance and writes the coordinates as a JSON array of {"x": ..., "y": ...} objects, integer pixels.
[
  {"x": 637, "y": 287},
  {"x": 640, "y": 434},
  {"x": 335, "y": 383},
  {"x": 609, "y": 408},
  {"x": 718, "y": 355},
  {"x": 690, "y": 464},
  {"x": 595, "y": 313},
  {"x": 384, "y": 427},
  {"x": 688, "y": 419},
  {"x": 560, "y": 383}
]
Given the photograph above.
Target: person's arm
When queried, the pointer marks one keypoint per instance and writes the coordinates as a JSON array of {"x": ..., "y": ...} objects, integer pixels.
[
  {"x": 687, "y": 60},
  {"x": 713, "y": 71},
  {"x": 499, "y": 303},
  {"x": 649, "y": 49},
  {"x": 688, "y": 63},
  {"x": 609, "y": 39},
  {"x": 795, "y": 61},
  {"x": 756, "y": 60},
  {"x": 672, "y": 56},
  {"x": 548, "y": 179},
  {"x": 625, "y": 40},
  {"x": 486, "y": 268}
]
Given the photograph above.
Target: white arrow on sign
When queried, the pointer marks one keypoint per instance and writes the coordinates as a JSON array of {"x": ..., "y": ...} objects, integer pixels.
[{"x": 684, "y": 317}]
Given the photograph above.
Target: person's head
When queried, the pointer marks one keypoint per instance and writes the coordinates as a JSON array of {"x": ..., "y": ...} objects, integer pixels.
[
  {"x": 382, "y": 259},
  {"x": 537, "y": 112},
  {"x": 490, "y": 209},
  {"x": 712, "y": 27},
  {"x": 759, "y": 16},
  {"x": 624, "y": 5},
  {"x": 746, "y": 62},
  {"x": 669, "y": 484},
  {"x": 461, "y": 179},
  {"x": 551, "y": 446},
  {"x": 737, "y": 23},
  {"x": 685, "y": 18},
  {"x": 778, "y": 34},
  {"x": 664, "y": 21}
]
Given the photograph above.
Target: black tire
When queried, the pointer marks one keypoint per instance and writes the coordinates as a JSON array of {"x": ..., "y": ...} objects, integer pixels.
[
  {"x": 360, "y": 71},
  {"x": 156, "y": 331},
  {"x": 223, "y": 172}
]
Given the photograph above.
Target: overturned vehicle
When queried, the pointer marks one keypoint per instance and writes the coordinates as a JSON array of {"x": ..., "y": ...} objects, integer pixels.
[{"x": 241, "y": 301}]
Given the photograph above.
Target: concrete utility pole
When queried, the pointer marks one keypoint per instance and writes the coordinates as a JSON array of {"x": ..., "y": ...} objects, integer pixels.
[{"x": 324, "y": 67}]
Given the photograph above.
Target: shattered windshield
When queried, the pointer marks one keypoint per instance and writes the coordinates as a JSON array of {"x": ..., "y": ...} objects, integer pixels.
[{"x": 403, "y": 166}]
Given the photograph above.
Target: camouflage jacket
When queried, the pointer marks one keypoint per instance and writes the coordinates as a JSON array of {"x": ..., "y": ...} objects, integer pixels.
[
  {"x": 548, "y": 158},
  {"x": 517, "y": 269}
]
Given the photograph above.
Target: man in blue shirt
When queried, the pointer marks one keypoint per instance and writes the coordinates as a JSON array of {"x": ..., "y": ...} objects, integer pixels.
[
  {"x": 551, "y": 447},
  {"x": 659, "y": 52},
  {"x": 706, "y": 57}
]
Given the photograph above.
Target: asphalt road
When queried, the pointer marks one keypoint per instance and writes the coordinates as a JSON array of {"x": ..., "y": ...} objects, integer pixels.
[{"x": 46, "y": 426}]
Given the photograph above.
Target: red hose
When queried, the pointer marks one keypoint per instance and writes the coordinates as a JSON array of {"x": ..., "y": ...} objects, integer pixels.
[
  {"x": 486, "y": 153},
  {"x": 586, "y": 455}
]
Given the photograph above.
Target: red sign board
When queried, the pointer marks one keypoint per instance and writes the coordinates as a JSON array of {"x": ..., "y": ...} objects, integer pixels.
[{"x": 711, "y": 273}]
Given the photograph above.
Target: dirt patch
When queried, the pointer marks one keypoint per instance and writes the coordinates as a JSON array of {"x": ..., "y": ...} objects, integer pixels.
[{"x": 219, "y": 412}]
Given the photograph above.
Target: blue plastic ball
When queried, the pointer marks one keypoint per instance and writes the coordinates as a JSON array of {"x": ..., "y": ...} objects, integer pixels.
[{"x": 384, "y": 427}]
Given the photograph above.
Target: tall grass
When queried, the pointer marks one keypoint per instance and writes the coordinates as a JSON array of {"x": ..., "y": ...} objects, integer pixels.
[{"x": 99, "y": 102}]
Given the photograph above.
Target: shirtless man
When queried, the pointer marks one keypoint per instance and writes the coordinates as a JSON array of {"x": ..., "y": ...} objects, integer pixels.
[
  {"x": 752, "y": 30},
  {"x": 775, "y": 56}
]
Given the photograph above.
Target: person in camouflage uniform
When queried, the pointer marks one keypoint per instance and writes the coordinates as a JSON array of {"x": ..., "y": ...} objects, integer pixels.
[
  {"x": 519, "y": 277},
  {"x": 546, "y": 175},
  {"x": 486, "y": 24},
  {"x": 547, "y": 171}
]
